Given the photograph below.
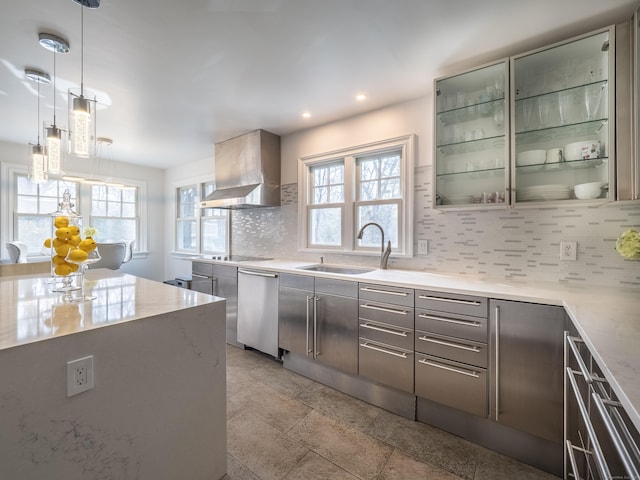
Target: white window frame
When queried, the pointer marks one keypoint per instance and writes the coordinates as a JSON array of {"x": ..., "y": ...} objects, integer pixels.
[
  {"x": 8, "y": 172},
  {"x": 198, "y": 188},
  {"x": 349, "y": 244},
  {"x": 202, "y": 189},
  {"x": 136, "y": 217}
]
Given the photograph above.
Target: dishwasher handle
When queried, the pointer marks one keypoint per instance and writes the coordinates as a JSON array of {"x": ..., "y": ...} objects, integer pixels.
[{"x": 258, "y": 274}]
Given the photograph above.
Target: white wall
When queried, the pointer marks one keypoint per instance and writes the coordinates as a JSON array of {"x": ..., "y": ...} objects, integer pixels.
[
  {"x": 397, "y": 120},
  {"x": 148, "y": 264}
]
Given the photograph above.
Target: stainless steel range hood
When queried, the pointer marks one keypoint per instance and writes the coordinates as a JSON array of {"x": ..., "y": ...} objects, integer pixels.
[{"x": 247, "y": 172}]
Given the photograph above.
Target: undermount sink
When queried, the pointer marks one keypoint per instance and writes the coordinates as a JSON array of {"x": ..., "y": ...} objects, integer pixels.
[{"x": 345, "y": 270}]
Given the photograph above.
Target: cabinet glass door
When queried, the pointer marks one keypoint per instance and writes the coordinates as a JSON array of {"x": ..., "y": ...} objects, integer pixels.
[
  {"x": 563, "y": 143},
  {"x": 471, "y": 147}
]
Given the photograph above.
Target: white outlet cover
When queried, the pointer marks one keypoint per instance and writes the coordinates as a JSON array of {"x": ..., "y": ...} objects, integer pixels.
[
  {"x": 423, "y": 247},
  {"x": 79, "y": 375}
]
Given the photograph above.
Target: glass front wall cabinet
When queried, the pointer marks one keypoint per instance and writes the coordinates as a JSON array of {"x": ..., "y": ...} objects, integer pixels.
[
  {"x": 563, "y": 142},
  {"x": 471, "y": 147}
]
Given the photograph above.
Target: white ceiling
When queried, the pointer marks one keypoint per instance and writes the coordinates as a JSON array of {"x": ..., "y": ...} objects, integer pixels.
[{"x": 177, "y": 76}]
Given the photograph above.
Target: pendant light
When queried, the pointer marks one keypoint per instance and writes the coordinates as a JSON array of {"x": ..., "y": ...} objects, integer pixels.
[
  {"x": 38, "y": 160},
  {"x": 53, "y": 134},
  {"x": 82, "y": 108}
]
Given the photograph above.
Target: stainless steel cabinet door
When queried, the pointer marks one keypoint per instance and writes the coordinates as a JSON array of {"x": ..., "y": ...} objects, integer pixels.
[
  {"x": 336, "y": 344},
  {"x": 294, "y": 325},
  {"x": 526, "y": 358}
]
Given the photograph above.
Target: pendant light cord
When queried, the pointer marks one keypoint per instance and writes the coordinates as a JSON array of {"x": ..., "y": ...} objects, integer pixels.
[
  {"x": 54, "y": 88},
  {"x": 81, "y": 50},
  {"x": 38, "y": 115}
]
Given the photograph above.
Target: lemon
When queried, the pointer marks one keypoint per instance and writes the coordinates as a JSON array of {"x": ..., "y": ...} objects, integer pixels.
[
  {"x": 57, "y": 260},
  {"x": 77, "y": 255},
  {"x": 63, "y": 249},
  {"x": 75, "y": 240},
  {"x": 88, "y": 245},
  {"x": 60, "y": 222},
  {"x": 73, "y": 266},
  {"x": 74, "y": 230},
  {"x": 63, "y": 233},
  {"x": 47, "y": 243},
  {"x": 62, "y": 269}
]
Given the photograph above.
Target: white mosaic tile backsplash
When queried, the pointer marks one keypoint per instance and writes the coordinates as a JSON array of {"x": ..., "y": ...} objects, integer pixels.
[{"x": 517, "y": 245}]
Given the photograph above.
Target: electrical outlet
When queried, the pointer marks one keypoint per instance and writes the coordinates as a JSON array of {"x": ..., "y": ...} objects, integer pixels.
[
  {"x": 423, "y": 247},
  {"x": 568, "y": 251},
  {"x": 79, "y": 375}
]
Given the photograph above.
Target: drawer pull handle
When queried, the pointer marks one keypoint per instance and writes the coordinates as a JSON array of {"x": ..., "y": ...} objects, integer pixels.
[
  {"x": 384, "y": 309},
  {"x": 618, "y": 443},
  {"x": 473, "y": 349},
  {"x": 596, "y": 450},
  {"x": 383, "y": 350},
  {"x": 386, "y": 292},
  {"x": 572, "y": 342},
  {"x": 450, "y": 369},
  {"x": 466, "y": 323},
  {"x": 475, "y": 303},
  {"x": 400, "y": 333}
]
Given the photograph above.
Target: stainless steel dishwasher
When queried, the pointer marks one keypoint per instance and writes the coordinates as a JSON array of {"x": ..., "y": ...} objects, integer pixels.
[{"x": 258, "y": 310}]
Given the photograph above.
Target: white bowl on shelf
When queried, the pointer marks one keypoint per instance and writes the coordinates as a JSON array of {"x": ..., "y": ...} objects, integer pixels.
[
  {"x": 588, "y": 191},
  {"x": 530, "y": 157}
]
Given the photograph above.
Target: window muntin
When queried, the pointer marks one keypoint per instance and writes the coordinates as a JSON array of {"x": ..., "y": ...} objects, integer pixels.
[
  {"x": 379, "y": 197},
  {"x": 374, "y": 185},
  {"x": 187, "y": 221},
  {"x": 114, "y": 213},
  {"x": 34, "y": 205},
  {"x": 214, "y": 226},
  {"x": 200, "y": 230},
  {"x": 326, "y": 209}
]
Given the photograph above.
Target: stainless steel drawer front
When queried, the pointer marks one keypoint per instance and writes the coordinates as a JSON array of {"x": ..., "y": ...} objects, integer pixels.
[
  {"x": 452, "y": 303},
  {"x": 385, "y": 313},
  {"x": 455, "y": 349},
  {"x": 202, "y": 268},
  {"x": 385, "y": 294},
  {"x": 453, "y": 384},
  {"x": 394, "y": 335},
  {"x": 452, "y": 325},
  {"x": 386, "y": 364}
]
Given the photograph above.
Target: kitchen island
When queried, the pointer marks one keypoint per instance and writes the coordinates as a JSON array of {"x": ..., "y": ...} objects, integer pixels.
[{"x": 157, "y": 409}]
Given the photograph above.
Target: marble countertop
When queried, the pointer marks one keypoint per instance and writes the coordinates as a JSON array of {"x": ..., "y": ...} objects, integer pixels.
[
  {"x": 608, "y": 319},
  {"x": 31, "y": 312}
]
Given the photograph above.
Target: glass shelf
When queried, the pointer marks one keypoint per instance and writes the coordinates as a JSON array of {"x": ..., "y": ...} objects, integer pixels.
[
  {"x": 474, "y": 174},
  {"x": 472, "y": 112},
  {"x": 565, "y": 165},
  {"x": 562, "y": 132},
  {"x": 584, "y": 86},
  {"x": 472, "y": 146}
]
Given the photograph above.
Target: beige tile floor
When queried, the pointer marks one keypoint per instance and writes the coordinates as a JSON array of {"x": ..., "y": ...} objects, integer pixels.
[{"x": 282, "y": 426}]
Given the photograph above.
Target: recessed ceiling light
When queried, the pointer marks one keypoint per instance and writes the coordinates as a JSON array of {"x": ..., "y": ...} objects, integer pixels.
[
  {"x": 306, "y": 114},
  {"x": 360, "y": 97}
]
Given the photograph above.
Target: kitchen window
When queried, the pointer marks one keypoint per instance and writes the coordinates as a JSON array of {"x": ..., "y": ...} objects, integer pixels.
[
  {"x": 34, "y": 204},
  {"x": 114, "y": 213},
  {"x": 342, "y": 191},
  {"x": 200, "y": 230}
]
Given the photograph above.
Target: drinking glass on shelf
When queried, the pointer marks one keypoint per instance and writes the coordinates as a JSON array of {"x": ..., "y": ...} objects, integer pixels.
[
  {"x": 529, "y": 113},
  {"x": 592, "y": 97},
  {"x": 567, "y": 107},
  {"x": 544, "y": 109}
]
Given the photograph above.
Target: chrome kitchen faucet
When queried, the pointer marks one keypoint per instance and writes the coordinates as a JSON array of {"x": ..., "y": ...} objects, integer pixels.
[{"x": 384, "y": 252}]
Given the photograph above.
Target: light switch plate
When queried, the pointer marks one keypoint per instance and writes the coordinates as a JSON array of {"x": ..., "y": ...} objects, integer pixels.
[{"x": 423, "y": 247}]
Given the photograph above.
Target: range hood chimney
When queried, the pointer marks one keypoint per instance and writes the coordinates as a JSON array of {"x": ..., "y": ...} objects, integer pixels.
[{"x": 247, "y": 172}]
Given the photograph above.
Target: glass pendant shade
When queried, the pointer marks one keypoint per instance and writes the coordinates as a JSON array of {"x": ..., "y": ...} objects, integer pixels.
[
  {"x": 82, "y": 125},
  {"x": 54, "y": 149},
  {"x": 38, "y": 165}
]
